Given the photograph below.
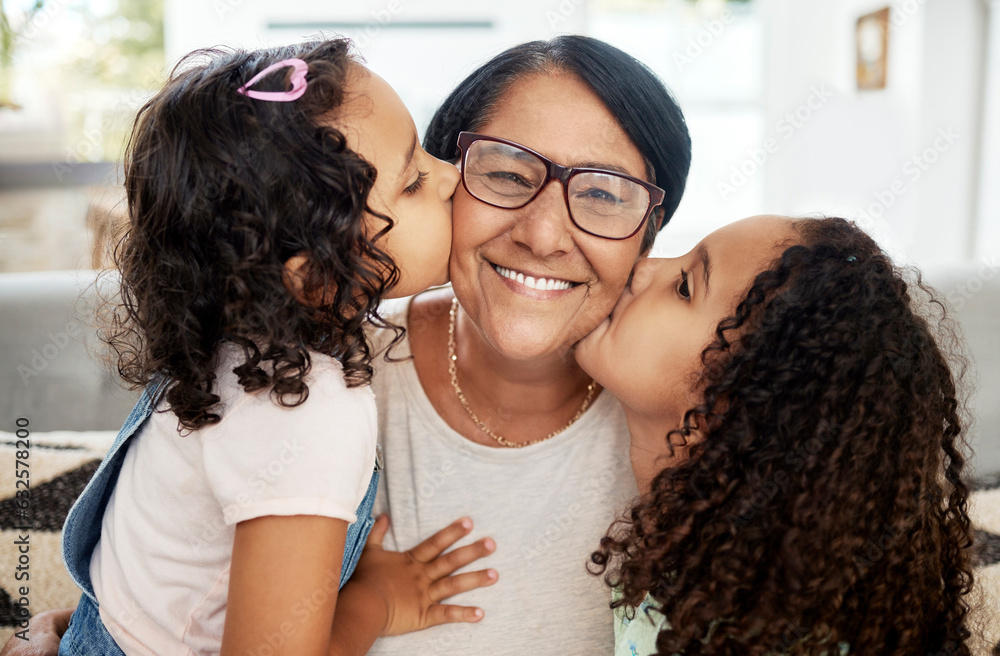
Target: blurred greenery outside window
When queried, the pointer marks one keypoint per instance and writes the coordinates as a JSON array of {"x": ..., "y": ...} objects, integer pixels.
[{"x": 73, "y": 73}]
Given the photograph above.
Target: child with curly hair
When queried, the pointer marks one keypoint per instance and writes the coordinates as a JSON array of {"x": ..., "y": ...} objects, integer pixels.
[
  {"x": 797, "y": 440},
  {"x": 275, "y": 198}
]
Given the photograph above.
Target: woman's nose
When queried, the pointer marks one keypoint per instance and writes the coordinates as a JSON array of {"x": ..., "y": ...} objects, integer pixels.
[{"x": 543, "y": 225}]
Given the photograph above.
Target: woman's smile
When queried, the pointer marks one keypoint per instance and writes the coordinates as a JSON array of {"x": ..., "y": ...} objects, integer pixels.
[
  {"x": 536, "y": 282},
  {"x": 533, "y": 282}
]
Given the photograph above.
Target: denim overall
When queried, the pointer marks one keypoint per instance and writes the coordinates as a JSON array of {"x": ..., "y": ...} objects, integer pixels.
[{"x": 87, "y": 634}]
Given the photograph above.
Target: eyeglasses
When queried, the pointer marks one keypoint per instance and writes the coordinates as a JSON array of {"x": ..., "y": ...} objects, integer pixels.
[{"x": 508, "y": 175}]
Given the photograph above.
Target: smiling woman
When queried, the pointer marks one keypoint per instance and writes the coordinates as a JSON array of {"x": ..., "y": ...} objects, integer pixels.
[
  {"x": 539, "y": 240},
  {"x": 573, "y": 155}
]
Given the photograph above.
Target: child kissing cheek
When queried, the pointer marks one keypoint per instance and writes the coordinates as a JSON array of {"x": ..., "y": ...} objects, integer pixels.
[{"x": 647, "y": 352}]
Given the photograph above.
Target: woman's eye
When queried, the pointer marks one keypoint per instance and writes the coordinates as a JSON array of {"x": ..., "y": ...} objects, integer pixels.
[
  {"x": 682, "y": 288},
  {"x": 417, "y": 184},
  {"x": 600, "y": 196},
  {"x": 509, "y": 177}
]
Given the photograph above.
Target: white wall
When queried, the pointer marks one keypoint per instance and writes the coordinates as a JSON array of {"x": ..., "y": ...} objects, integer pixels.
[
  {"x": 711, "y": 57},
  {"x": 987, "y": 240},
  {"x": 905, "y": 160},
  {"x": 423, "y": 48},
  {"x": 193, "y": 24}
]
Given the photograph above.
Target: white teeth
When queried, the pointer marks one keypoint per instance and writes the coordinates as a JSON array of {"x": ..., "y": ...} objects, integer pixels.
[{"x": 534, "y": 283}]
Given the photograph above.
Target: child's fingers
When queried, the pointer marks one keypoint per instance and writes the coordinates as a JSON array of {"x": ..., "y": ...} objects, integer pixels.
[
  {"x": 435, "y": 545},
  {"x": 442, "y": 614},
  {"x": 455, "y": 560},
  {"x": 379, "y": 529},
  {"x": 453, "y": 585}
]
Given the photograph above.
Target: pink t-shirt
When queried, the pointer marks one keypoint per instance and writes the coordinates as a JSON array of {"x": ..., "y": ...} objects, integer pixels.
[{"x": 161, "y": 568}]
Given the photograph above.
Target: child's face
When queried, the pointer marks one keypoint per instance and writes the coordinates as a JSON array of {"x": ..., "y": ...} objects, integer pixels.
[
  {"x": 412, "y": 188},
  {"x": 647, "y": 353}
]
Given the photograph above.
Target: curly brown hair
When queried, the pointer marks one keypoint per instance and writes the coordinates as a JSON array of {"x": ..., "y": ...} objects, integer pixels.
[
  {"x": 825, "y": 503},
  {"x": 222, "y": 191}
]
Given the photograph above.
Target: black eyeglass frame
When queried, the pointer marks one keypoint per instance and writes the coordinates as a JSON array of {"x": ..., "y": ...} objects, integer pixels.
[{"x": 563, "y": 174}]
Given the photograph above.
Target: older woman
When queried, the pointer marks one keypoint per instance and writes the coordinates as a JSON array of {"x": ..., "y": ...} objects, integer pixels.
[{"x": 492, "y": 417}]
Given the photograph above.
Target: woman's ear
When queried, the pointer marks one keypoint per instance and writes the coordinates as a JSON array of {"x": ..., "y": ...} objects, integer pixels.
[
  {"x": 657, "y": 219},
  {"x": 658, "y": 216}
]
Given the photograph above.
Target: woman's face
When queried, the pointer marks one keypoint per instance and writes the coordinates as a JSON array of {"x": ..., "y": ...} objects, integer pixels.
[
  {"x": 559, "y": 116},
  {"x": 648, "y": 352}
]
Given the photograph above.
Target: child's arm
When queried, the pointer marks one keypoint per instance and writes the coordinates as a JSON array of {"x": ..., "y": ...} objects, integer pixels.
[
  {"x": 283, "y": 583},
  {"x": 286, "y": 570}
]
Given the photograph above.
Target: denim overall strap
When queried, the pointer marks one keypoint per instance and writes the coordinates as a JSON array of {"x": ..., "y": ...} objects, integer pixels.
[
  {"x": 357, "y": 533},
  {"x": 87, "y": 635},
  {"x": 82, "y": 529}
]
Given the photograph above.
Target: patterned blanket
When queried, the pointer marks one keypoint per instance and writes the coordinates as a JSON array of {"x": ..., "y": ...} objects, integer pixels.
[{"x": 61, "y": 463}]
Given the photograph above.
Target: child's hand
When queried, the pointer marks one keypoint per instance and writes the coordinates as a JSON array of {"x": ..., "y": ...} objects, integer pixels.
[{"x": 412, "y": 584}]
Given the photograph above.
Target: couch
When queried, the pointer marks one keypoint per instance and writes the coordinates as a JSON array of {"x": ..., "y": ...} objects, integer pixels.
[
  {"x": 48, "y": 372},
  {"x": 51, "y": 376}
]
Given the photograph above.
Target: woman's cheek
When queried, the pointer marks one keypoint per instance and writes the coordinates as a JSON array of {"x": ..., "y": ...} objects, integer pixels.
[
  {"x": 468, "y": 220},
  {"x": 612, "y": 269}
]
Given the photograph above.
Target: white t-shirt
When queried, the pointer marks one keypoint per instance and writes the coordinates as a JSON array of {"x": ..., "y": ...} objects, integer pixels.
[
  {"x": 546, "y": 505},
  {"x": 161, "y": 568}
]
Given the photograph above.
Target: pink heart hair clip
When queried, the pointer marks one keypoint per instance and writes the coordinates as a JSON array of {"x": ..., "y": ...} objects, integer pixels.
[{"x": 299, "y": 70}]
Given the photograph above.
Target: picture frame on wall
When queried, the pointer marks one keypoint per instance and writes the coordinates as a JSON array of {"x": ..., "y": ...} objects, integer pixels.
[{"x": 872, "y": 42}]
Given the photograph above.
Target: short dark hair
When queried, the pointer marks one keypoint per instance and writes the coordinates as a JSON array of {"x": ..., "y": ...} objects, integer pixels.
[{"x": 634, "y": 95}]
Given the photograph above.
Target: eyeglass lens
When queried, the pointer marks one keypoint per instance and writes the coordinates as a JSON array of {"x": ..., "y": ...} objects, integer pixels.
[{"x": 605, "y": 204}]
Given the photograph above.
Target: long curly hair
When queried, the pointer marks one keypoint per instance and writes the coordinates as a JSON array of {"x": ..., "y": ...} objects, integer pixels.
[
  {"x": 222, "y": 191},
  {"x": 824, "y": 500}
]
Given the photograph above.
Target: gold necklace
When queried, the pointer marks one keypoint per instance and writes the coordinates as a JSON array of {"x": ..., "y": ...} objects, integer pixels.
[{"x": 501, "y": 440}]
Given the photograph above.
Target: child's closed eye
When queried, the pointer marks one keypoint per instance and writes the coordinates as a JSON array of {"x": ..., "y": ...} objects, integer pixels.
[
  {"x": 417, "y": 184},
  {"x": 682, "y": 289}
]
